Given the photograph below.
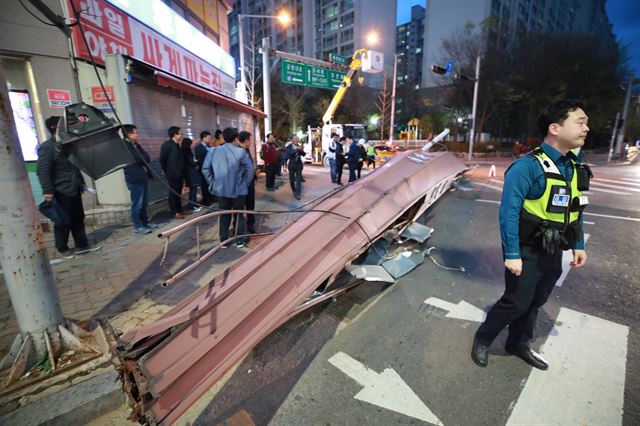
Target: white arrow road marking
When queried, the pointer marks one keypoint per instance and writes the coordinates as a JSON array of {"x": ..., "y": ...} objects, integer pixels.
[
  {"x": 584, "y": 384},
  {"x": 463, "y": 310},
  {"x": 567, "y": 257},
  {"x": 386, "y": 390}
]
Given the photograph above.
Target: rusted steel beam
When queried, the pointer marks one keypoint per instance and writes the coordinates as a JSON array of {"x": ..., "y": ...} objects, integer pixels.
[{"x": 213, "y": 328}]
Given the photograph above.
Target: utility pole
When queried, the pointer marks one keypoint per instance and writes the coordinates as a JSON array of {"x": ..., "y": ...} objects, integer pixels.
[
  {"x": 25, "y": 265},
  {"x": 266, "y": 85},
  {"x": 474, "y": 108},
  {"x": 625, "y": 110},
  {"x": 613, "y": 136}
]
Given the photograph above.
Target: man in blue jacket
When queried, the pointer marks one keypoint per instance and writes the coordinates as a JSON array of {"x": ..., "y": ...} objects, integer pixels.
[
  {"x": 228, "y": 170},
  {"x": 137, "y": 177}
]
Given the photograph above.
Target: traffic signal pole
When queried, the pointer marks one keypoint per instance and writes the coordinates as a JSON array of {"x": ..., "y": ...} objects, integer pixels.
[
  {"x": 23, "y": 256},
  {"x": 625, "y": 110},
  {"x": 474, "y": 108}
]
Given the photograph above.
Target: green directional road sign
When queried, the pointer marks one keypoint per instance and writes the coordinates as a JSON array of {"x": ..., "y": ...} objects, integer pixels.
[
  {"x": 293, "y": 72},
  {"x": 335, "y": 78},
  {"x": 310, "y": 75},
  {"x": 337, "y": 59}
]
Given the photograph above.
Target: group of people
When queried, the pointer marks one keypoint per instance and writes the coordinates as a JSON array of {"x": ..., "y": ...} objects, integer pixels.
[
  {"x": 221, "y": 166},
  {"x": 290, "y": 156},
  {"x": 343, "y": 149}
]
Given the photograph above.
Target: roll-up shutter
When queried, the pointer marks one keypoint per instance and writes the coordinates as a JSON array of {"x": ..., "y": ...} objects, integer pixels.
[{"x": 155, "y": 108}]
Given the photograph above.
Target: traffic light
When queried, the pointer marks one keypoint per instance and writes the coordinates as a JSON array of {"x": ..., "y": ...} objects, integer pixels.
[{"x": 438, "y": 70}]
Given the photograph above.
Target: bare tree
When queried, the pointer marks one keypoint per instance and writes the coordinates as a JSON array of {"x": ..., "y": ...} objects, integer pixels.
[
  {"x": 384, "y": 105},
  {"x": 251, "y": 70}
]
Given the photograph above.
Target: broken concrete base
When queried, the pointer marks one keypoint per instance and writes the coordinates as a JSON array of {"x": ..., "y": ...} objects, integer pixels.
[{"x": 75, "y": 405}]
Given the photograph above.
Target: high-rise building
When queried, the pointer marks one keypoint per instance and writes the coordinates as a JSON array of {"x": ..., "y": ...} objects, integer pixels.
[
  {"x": 318, "y": 27},
  {"x": 511, "y": 19},
  {"x": 409, "y": 45}
]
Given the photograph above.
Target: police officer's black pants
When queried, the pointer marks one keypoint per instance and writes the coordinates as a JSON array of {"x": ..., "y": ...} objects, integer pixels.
[{"x": 523, "y": 296}]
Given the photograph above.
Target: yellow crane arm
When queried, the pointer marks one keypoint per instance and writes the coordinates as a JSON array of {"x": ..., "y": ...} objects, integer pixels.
[{"x": 356, "y": 65}]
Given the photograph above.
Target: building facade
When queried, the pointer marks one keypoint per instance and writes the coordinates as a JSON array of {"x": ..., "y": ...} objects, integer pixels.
[
  {"x": 409, "y": 45},
  {"x": 511, "y": 19},
  {"x": 318, "y": 27},
  {"x": 163, "y": 65}
]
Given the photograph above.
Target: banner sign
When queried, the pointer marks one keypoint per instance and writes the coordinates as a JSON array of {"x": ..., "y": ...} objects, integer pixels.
[
  {"x": 58, "y": 98},
  {"x": 109, "y": 30}
]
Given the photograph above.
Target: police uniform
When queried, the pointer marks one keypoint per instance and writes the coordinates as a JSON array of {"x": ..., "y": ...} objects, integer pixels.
[{"x": 540, "y": 216}]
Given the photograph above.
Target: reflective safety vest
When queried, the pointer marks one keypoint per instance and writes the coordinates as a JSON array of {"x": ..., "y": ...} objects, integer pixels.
[
  {"x": 559, "y": 205},
  {"x": 371, "y": 151}
]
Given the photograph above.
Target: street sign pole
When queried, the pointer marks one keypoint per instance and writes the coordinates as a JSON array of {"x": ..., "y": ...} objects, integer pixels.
[
  {"x": 474, "y": 108},
  {"x": 266, "y": 85}
]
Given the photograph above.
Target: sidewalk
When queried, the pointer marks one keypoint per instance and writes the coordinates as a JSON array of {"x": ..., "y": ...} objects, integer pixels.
[{"x": 122, "y": 281}]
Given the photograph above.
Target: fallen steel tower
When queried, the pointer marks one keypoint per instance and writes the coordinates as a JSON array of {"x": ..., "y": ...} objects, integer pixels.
[{"x": 169, "y": 364}]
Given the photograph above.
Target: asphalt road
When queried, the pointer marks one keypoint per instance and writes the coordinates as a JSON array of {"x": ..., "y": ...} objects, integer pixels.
[{"x": 312, "y": 371}]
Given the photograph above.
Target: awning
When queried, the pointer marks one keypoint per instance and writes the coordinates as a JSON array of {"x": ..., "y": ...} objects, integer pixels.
[{"x": 166, "y": 80}]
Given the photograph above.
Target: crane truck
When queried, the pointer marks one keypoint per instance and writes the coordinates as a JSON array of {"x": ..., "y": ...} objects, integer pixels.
[{"x": 317, "y": 139}]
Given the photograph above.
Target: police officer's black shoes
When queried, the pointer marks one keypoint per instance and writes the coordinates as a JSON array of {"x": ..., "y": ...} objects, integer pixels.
[
  {"x": 480, "y": 353},
  {"x": 529, "y": 356}
]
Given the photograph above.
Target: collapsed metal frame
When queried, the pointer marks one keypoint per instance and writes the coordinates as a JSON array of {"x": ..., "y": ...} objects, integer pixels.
[{"x": 169, "y": 364}]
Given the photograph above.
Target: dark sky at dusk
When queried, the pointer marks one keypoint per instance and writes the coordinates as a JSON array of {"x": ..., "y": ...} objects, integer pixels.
[{"x": 623, "y": 14}]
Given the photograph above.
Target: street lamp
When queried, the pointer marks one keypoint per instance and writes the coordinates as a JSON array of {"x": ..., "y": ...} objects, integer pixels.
[
  {"x": 283, "y": 17},
  {"x": 372, "y": 38}
]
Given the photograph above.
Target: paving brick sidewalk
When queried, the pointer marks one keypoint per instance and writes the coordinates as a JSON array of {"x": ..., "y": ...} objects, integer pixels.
[{"x": 122, "y": 281}]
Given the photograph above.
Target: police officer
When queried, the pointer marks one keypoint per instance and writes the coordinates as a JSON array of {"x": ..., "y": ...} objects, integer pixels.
[{"x": 540, "y": 216}]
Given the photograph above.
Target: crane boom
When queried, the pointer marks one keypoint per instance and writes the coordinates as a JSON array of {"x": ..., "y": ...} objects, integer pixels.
[{"x": 356, "y": 65}]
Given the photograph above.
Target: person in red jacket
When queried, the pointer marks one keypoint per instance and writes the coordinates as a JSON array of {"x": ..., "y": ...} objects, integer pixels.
[{"x": 270, "y": 156}]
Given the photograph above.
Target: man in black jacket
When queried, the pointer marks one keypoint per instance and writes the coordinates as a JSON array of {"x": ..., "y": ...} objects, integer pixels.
[
  {"x": 173, "y": 167},
  {"x": 137, "y": 177},
  {"x": 63, "y": 182},
  {"x": 293, "y": 159},
  {"x": 200, "y": 151}
]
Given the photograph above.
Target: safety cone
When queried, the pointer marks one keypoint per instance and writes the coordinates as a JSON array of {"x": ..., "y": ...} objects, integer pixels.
[{"x": 492, "y": 171}]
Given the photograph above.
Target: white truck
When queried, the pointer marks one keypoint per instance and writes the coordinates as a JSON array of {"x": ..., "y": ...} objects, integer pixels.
[{"x": 316, "y": 140}]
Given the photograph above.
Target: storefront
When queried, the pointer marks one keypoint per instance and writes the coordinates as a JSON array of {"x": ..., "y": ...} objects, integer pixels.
[{"x": 177, "y": 78}]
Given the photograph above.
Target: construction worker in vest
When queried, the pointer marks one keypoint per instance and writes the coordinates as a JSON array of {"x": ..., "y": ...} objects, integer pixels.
[
  {"x": 371, "y": 155},
  {"x": 540, "y": 216}
]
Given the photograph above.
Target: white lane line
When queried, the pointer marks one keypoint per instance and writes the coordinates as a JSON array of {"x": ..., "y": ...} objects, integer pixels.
[
  {"x": 632, "y": 219},
  {"x": 631, "y": 180},
  {"x": 567, "y": 257},
  {"x": 608, "y": 191},
  {"x": 386, "y": 389},
  {"x": 497, "y": 188},
  {"x": 584, "y": 384},
  {"x": 586, "y": 222},
  {"x": 488, "y": 201},
  {"x": 606, "y": 185},
  {"x": 617, "y": 181}
]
